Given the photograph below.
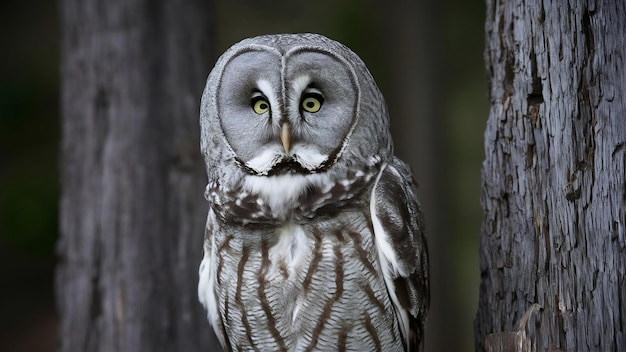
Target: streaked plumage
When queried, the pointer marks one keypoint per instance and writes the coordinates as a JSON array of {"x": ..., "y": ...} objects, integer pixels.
[{"x": 314, "y": 238}]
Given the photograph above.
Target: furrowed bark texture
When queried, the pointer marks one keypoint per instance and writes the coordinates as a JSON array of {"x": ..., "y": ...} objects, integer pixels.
[
  {"x": 554, "y": 188},
  {"x": 132, "y": 212}
]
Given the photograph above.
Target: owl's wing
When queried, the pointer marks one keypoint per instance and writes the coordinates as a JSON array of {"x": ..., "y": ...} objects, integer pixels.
[{"x": 399, "y": 230}]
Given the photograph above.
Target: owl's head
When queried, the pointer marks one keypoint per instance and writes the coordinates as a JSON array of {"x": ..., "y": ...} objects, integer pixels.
[
  {"x": 292, "y": 104},
  {"x": 291, "y": 124}
]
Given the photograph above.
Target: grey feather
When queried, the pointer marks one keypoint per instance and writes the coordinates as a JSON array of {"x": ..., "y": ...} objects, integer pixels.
[{"x": 399, "y": 213}]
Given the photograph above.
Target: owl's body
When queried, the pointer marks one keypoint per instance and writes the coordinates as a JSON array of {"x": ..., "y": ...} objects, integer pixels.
[{"x": 314, "y": 238}]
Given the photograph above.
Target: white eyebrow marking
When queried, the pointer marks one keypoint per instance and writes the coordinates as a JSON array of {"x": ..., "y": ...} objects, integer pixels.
[
  {"x": 266, "y": 88},
  {"x": 299, "y": 84}
]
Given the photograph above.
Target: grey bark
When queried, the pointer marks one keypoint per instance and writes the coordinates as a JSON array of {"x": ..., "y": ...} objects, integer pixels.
[
  {"x": 132, "y": 211},
  {"x": 554, "y": 191}
]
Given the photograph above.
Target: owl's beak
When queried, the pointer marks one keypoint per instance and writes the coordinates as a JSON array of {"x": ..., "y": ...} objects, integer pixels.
[{"x": 285, "y": 136}]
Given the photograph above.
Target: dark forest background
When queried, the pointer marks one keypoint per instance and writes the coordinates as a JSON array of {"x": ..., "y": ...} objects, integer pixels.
[{"x": 427, "y": 59}]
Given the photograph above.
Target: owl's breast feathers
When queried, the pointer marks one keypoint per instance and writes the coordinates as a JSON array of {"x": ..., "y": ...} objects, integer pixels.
[
  {"x": 314, "y": 286},
  {"x": 374, "y": 236}
]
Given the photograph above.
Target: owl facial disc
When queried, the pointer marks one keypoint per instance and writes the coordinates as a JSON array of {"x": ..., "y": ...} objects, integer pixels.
[{"x": 286, "y": 112}]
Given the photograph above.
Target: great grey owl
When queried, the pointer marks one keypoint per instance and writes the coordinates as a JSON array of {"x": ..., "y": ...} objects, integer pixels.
[{"x": 314, "y": 238}]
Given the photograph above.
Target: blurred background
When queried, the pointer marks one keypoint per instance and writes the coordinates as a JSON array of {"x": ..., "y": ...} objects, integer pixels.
[{"x": 426, "y": 58}]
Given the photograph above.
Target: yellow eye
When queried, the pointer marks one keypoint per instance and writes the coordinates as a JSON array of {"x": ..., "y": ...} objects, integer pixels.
[
  {"x": 312, "y": 103},
  {"x": 260, "y": 105}
]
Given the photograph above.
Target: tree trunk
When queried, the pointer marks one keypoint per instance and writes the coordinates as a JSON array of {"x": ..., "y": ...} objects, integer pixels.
[
  {"x": 554, "y": 191},
  {"x": 132, "y": 211}
]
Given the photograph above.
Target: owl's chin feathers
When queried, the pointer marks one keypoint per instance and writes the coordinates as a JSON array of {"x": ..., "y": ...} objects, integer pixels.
[
  {"x": 302, "y": 159},
  {"x": 283, "y": 192},
  {"x": 246, "y": 197}
]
